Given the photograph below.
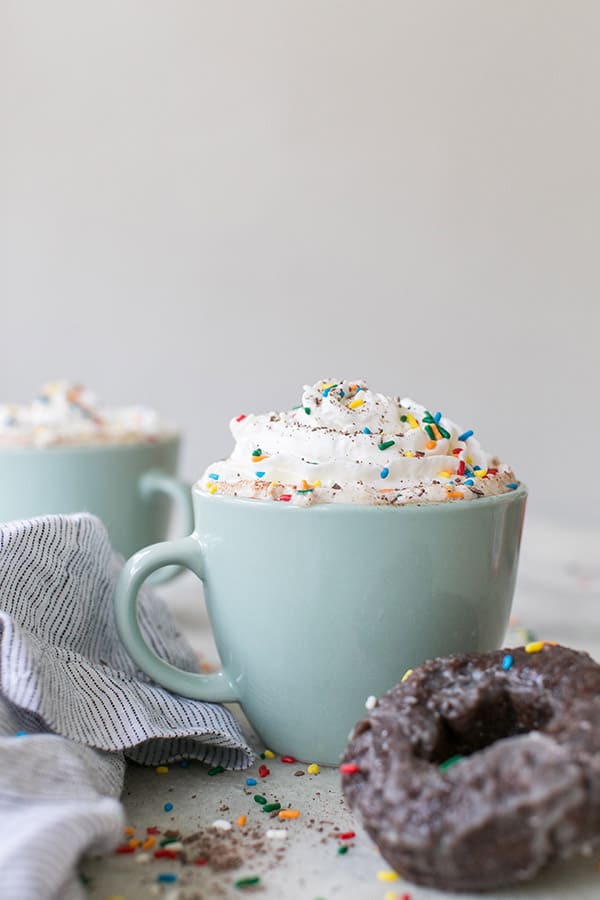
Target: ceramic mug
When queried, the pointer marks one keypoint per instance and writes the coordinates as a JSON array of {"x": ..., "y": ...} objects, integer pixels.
[
  {"x": 314, "y": 609},
  {"x": 128, "y": 485}
]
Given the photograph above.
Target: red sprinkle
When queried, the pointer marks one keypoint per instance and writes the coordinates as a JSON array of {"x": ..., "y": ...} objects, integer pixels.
[
  {"x": 124, "y": 848},
  {"x": 165, "y": 854},
  {"x": 492, "y": 471},
  {"x": 347, "y": 835},
  {"x": 288, "y": 759},
  {"x": 200, "y": 862},
  {"x": 263, "y": 772},
  {"x": 152, "y": 830},
  {"x": 349, "y": 769},
  {"x": 286, "y": 497},
  {"x": 457, "y": 450},
  {"x": 239, "y": 418},
  {"x": 461, "y": 468}
]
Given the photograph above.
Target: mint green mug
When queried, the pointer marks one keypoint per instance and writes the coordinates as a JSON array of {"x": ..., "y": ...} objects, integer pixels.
[
  {"x": 314, "y": 609},
  {"x": 130, "y": 486}
]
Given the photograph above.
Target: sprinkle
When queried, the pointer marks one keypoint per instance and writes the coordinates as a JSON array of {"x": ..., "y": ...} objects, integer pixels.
[
  {"x": 437, "y": 432},
  {"x": 168, "y": 807},
  {"x": 247, "y": 882},
  {"x": 445, "y": 474},
  {"x": 276, "y": 833},
  {"x": 241, "y": 821},
  {"x": 287, "y": 759},
  {"x": 268, "y": 754},
  {"x": 307, "y": 410},
  {"x": 143, "y": 858},
  {"x": 469, "y": 481},
  {"x": 129, "y": 831},
  {"x": 456, "y": 495},
  {"x": 349, "y": 768},
  {"x": 480, "y": 473},
  {"x": 342, "y": 850},
  {"x": 429, "y": 431},
  {"x": 306, "y": 488},
  {"x": 258, "y": 798},
  {"x": 214, "y": 476},
  {"x": 285, "y": 498},
  {"x": 384, "y": 472},
  {"x": 354, "y": 404},
  {"x": 313, "y": 769},
  {"x": 257, "y": 452},
  {"x": 211, "y": 488},
  {"x": 407, "y": 674},
  {"x": 185, "y": 763},
  {"x": 347, "y": 835},
  {"x": 507, "y": 662},
  {"x": 430, "y": 445},
  {"x": 461, "y": 467},
  {"x": 512, "y": 486},
  {"x": 411, "y": 420},
  {"x": 165, "y": 854},
  {"x": 216, "y": 770},
  {"x": 152, "y": 830},
  {"x": 161, "y": 770},
  {"x": 367, "y": 431},
  {"x": 450, "y": 762},
  {"x": 387, "y": 875},
  {"x": 409, "y": 453},
  {"x": 371, "y": 702},
  {"x": 466, "y": 435},
  {"x": 149, "y": 843},
  {"x": 437, "y": 418},
  {"x": 260, "y": 474},
  {"x": 316, "y": 483},
  {"x": 386, "y": 444},
  {"x": 221, "y": 825},
  {"x": 271, "y": 807},
  {"x": 200, "y": 861},
  {"x": 124, "y": 848},
  {"x": 492, "y": 471},
  {"x": 166, "y": 877},
  {"x": 250, "y": 781},
  {"x": 289, "y": 814},
  {"x": 534, "y": 646},
  {"x": 263, "y": 771},
  {"x": 21, "y": 734},
  {"x": 134, "y": 842},
  {"x": 257, "y": 459},
  {"x": 239, "y": 418}
]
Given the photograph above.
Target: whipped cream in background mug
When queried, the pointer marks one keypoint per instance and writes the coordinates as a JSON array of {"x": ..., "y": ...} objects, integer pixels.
[{"x": 347, "y": 444}]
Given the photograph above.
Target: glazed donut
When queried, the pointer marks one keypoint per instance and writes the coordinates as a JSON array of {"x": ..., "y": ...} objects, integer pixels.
[{"x": 479, "y": 770}]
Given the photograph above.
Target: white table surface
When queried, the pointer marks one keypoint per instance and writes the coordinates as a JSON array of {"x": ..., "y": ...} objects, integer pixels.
[{"x": 558, "y": 594}]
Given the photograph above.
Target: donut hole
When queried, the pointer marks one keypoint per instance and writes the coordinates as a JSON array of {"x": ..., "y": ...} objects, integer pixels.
[{"x": 479, "y": 718}]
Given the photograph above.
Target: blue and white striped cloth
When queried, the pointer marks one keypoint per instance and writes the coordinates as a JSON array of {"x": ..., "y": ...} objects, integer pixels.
[{"x": 73, "y": 705}]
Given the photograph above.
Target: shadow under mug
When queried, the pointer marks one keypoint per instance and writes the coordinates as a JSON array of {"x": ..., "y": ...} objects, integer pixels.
[
  {"x": 129, "y": 486},
  {"x": 314, "y": 609}
]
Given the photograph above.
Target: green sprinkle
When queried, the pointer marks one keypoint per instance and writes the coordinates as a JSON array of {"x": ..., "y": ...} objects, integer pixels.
[
  {"x": 343, "y": 849},
  {"x": 385, "y": 444},
  {"x": 428, "y": 417},
  {"x": 429, "y": 431},
  {"x": 307, "y": 491},
  {"x": 404, "y": 418},
  {"x": 307, "y": 410},
  {"x": 450, "y": 762},
  {"x": 216, "y": 771},
  {"x": 271, "y": 807},
  {"x": 443, "y": 432},
  {"x": 259, "y": 799},
  {"x": 166, "y": 841},
  {"x": 257, "y": 452},
  {"x": 246, "y": 882}
]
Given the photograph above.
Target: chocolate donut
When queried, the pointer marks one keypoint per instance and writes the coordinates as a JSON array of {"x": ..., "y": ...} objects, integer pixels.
[{"x": 479, "y": 770}]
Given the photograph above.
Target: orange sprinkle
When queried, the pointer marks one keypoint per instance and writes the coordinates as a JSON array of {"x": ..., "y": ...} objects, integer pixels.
[
  {"x": 134, "y": 842},
  {"x": 305, "y": 485},
  {"x": 129, "y": 831},
  {"x": 241, "y": 821},
  {"x": 455, "y": 495},
  {"x": 430, "y": 445},
  {"x": 257, "y": 459},
  {"x": 436, "y": 431},
  {"x": 289, "y": 814},
  {"x": 149, "y": 843}
]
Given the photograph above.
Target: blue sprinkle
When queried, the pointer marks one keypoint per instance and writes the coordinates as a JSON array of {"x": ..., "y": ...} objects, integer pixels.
[
  {"x": 250, "y": 781},
  {"x": 513, "y": 485},
  {"x": 168, "y": 807},
  {"x": 185, "y": 763},
  {"x": 359, "y": 389},
  {"x": 342, "y": 394},
  {"x": 437, "y": 418},
  {"x": 476, "y": 468},
  {"x": 367, "y": 431},
  {"x": 468, "y": 472},
  {"x": 466, "y": 435},
  {"x": 21, "y": 734},
  {"x": 469, "y": 481},
  {"x": 326, "y": 392},
  {"x": 260, "y": 474},
  {"x": 507, "y": 662},
  {"x": 166, "y": 877},
  {"x": 214, "y": 476},
  {"x": 385, "y": 472}
]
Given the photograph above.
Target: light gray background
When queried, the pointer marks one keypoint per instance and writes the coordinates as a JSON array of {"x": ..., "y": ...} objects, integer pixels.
[{"x": 205, "y": 205}]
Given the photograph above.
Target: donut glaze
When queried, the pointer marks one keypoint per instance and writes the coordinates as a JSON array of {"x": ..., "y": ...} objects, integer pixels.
[{"x": 526, "y": 790}]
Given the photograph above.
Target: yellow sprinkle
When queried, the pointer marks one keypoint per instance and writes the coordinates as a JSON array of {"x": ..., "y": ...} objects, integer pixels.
[
  {"x": 134, "y": 842},
  {"x": 480, "y": 473},
  {"x": 329, "y": 384},
  {"x": 469, "y": 461},
  {"x": 445, "y": 474},
  {"x": 211, "y": 488},
  {"x": 273, "y": 484},
  {"x": 534, "y": 647},
  {"x": 269, "y": 754},
  {"x": 316, "y": 483},
  {"x": 407, "y": 674},
  {"x": 313, "y": 769},
  {"x": 387, "y": 875},
  {"x": 149, "y": 843},
  {"x": 354, "y": 404},
  {"x": 411, "y": 420},
  {"x": 390, "y": 895},
  {"x": 161, "y": 770},
  {"x": 289, "y": 813},
  {"x": 409, "y": 453},
  {"x": 129, "y": 831},
  {"x": 241, "y": 821}
]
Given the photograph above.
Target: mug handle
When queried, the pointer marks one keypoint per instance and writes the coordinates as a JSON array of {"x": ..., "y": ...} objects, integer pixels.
[
  {"x": 157, "y": 482},
  {"x": 186, "y": 552}
]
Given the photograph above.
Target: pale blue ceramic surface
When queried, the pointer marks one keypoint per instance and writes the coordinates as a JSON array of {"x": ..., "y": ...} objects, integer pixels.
[
  {"x": 129, "y": 486},
  {"x": 314, "y": 609}
]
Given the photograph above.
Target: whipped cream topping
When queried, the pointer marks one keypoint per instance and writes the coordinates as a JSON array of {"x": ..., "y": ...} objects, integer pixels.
[
  {"x": 67, "y": 413},
  {"x": 348, "y": 444}
]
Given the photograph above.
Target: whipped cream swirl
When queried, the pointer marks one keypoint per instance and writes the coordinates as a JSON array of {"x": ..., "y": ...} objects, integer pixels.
[
  {"x": 67, "y": 413},
  {"x": 348, "y": 444}
]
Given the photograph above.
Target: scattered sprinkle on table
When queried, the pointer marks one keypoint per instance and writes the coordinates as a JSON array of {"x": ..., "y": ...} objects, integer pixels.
[
  {"x": 222, "y": 825},
  {"x": 247, "y": 882},
  {"x": 162, "y": 770},
  {"x": 268, "y": 754},
  {"x": 289, "y": 814},
  {"x": 387, "y": 875},
  {"x": 166, "y": 877},
  {"x": 349, "y": 769},
  {"x": 251, "y": 781},
  {"x": 260, "y": 799},
  {"x": 216, "y": 770},
  {"x": 271, "y": 807},
  {"x": 168, "y": 807},
  {"x": 313, "y": 769},
  {"x": 341, "y": 850}
]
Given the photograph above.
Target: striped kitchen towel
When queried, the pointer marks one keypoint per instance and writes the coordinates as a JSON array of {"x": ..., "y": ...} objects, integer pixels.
[{"x": 73, "y": 705}]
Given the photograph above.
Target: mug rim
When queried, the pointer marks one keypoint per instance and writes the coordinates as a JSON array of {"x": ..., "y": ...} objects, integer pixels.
[
  {"x": 69, "y": 449},
  {"x": 364, "y": 508}
]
